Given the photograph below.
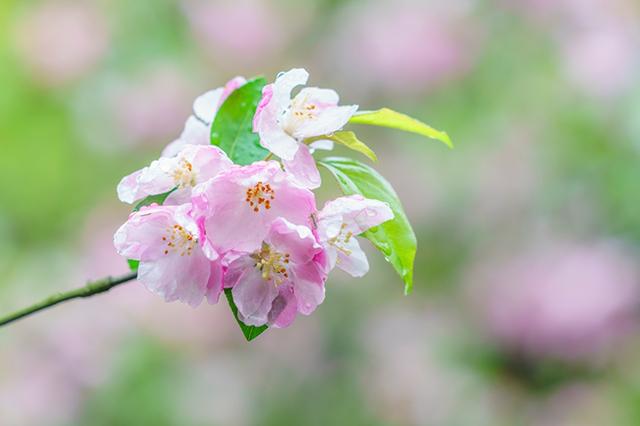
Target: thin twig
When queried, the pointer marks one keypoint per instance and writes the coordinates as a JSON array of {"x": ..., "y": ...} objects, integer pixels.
[{"x": 94, "y": 287}]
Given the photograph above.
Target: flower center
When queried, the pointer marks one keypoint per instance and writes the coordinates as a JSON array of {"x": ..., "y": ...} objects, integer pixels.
[
  {"x": 272, "y": 264},
  {"x": 260, "y": 195},
  {"x": 179, "y": 240},
  {"x": 342, "y": 239},
  {"x": 301, "y": 110},
  {"x": 183, "y": 175}
]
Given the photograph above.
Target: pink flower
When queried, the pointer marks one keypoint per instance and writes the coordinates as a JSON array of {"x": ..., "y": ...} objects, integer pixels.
[
  {"x": 284, "y": 276},
  {"x": 340, "y": 221},
  {"x": 238, "y": 206},
  {"x": 193, "y": 165},
  {"x": 197, "y": 129},
  {"x": 167, "y": 242},
  {"x": 283, "y": 123}
]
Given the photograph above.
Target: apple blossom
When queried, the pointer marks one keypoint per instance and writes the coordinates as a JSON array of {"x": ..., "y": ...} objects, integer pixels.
[
  {"x": 197, "y": 129},
  {"x": 284, "y": 123},
  {"x": 192, "y": 165},
  {"x": 167, "y": 243},
  {"x": 233, "y": 220},
  {"x": 286, "y": 275},
  {"x": 238, "y": 206},
  {"x": 340, "y": 221}
]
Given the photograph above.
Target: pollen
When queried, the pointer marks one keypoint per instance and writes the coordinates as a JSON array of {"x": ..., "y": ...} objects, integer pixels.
[
  {"x": 260, "y": 196},
  {"x": 183, "y": 175},
  {"x": 342, "y": 239},
  {"x": 179, "y": 240},
  {"x": 272, "y": 264}
]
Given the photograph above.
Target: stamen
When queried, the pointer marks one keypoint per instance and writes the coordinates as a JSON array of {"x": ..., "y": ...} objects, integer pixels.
[
  {"x": 340, "y": 240},
  {"x": 260, "y": 195},
  {"x": 180, "y": 240},
  {"x": 272, "y": 264}
]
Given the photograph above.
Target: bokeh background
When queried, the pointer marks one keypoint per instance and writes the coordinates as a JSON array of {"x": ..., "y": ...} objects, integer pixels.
[{"x": 527, "y": 293}]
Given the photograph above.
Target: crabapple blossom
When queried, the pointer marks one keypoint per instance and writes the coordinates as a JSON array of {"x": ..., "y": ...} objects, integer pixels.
[
  {"x": 192, "y": 165},
  {"x": 237, "y": 207},
  {"x": 340, "y": 221},
  {"x": 197, "y": 129},
  {"x": 284, "y": 123},
  {"x": 168, "y": 244},
  {"x": 286, "y": 275}
]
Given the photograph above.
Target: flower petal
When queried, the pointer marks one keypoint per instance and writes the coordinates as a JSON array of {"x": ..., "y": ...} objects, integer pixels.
[
  {"x": 252, "y": 295},
  {"x": 206, "y": 105},
  {"x": 176, "y": 277},
  {"x": 353, "y": 260},
  {"x": 140, "y": 237},
  {"x": 309, "y": 295},
  {"x": 195, "y": 133},
  {"x": 356, "y": 212},
  {"x": 303, "y": 168},
  {"x": 284, "y": 308},
  {"x": 326, "y": 121},
  {"x": 296, "y": 240}
]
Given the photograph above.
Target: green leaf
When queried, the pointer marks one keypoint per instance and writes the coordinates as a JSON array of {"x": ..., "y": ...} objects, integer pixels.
[
  {"x": 350, "y": 140},
  {"x": 158, "y": 199},
  {"x": 386, "y": 117},
  {"x": 133, "y": 264},
  {"x": 232, "y": 129},
  {"x": 394, "y": 238},
  {"x": 250, "y": 332}
]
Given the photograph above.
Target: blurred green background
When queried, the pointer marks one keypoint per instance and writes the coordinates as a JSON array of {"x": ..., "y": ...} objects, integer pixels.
[{"x": 525, "y": 306}]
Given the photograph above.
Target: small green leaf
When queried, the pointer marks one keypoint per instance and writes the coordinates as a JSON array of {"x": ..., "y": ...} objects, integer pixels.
[
  {"x": 386, "y": 117},
  {"x": 394, "y": 238},
  {"x": 158, "y": 199},
  {"x": 350, "y": 140},
  {"x": 250, "y": 332},
  {"x": 133, "y": 264},
  {"x": 232, "y": 129}
]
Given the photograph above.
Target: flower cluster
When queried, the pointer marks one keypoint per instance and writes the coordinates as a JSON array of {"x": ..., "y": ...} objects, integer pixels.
[{"x": 253, "y": 229}]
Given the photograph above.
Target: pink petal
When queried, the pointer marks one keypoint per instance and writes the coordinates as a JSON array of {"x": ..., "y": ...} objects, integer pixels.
[
  {"x": 303, "y": 168},
  {"x": 309, "y": 295},
  {"x": 176, "y": 277},
  {"x": 284, "y": 307},
  {"x": 356, "y": 212},
  {"x": 140, "y": 238},
  {"x": 354, "y": 261},
  {"x": 215, "y": 284},
  {"x": 252, "y": 295},
  {"x": 296, "y": 240},
  {"x": 231, "y": 222}
]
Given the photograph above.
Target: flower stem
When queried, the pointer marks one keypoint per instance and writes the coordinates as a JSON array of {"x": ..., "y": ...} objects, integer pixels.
[{"x": 93, "y": 287}]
